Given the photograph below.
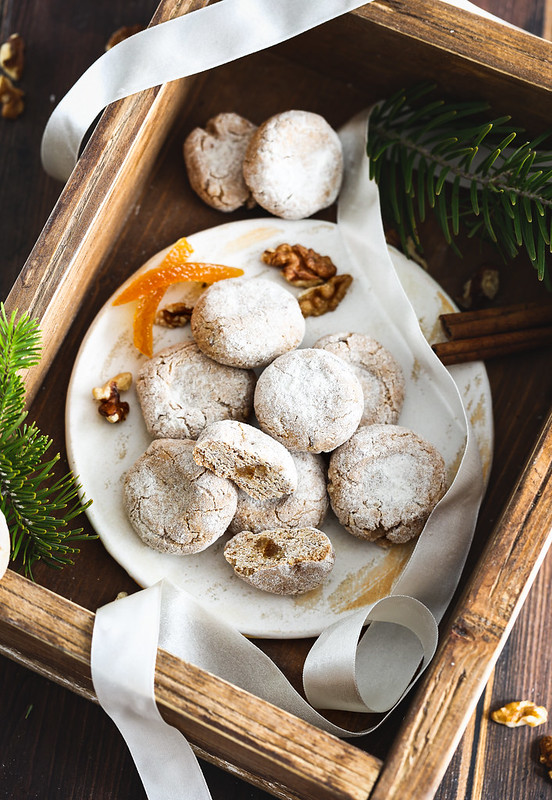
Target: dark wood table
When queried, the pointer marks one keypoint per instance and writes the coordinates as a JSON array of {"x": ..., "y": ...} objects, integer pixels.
[{"x": 54, "y": 744}]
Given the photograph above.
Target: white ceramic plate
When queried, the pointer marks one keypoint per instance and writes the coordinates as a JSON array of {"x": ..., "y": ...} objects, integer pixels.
[{"x": 100, "y": 453}]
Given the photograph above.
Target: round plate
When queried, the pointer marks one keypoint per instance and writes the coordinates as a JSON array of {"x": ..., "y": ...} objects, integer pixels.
[{"x": 363, "y": 571}]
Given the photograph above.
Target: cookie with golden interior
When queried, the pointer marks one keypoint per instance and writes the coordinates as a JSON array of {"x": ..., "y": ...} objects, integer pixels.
[{"x": 282, "y": 561}]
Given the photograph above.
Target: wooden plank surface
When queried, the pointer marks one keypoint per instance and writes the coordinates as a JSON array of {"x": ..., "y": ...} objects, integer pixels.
[{"x": 56, "y": 744}]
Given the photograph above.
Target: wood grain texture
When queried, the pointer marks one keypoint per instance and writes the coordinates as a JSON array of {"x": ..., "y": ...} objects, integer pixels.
[
  {"x": 40, "y": 718},
  {"x": 52, "y": 636}
]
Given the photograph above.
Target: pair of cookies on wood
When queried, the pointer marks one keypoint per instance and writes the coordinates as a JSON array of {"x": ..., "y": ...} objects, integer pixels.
[{"x": 292, "y": 165}]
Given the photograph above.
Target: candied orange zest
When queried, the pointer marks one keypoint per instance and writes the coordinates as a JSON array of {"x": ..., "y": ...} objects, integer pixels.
[
  {"x": 163, "y": 277},
  {"x": 144, "y": 317}
]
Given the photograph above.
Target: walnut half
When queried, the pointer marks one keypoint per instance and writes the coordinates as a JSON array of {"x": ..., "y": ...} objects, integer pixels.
[
  {"x": 301, "y": 266},
  {"x": 520, "y": 712},
  {"x": 11, "y": 99},
  {"x": 545, "y": 753},
  {"x": 321, "y": 299},
  {"x": 110, "y": 404},
  {"x": 12, "y": 56}
]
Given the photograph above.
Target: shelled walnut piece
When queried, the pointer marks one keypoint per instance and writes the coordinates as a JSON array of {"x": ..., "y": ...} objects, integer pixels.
[
  {"x": 173, "y": 315},
  {"x": 545, "y": 753},
  {"x": 110, "y": 404},
  {"x": 12, "y": 56},
  {"x": 301, "y": 266},
  {"x": 11, "y": 98},
  {"x": 520, "y": 712},
  {"x": 320, "y": 299}
]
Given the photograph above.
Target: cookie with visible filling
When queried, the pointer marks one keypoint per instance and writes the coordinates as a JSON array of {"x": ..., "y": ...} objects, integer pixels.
[
  {"x": 247, "y": 322},
  {"x": 294, "y": 164},
  {"x": 384, "y": 483},
  {"x": 214, "y": 161},
  {"x": 309, "y": 400},
  {"x": 282, "y": 561},
  {"x": 305, "y": 507},
  {"x": 257, "y": 463},
  {"x": 174, "y": 504},
  {"x": 379, "y": 373},
  {"x": 181, "y": 391}
]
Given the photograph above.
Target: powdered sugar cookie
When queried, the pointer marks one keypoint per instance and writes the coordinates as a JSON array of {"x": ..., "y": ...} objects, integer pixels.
[
  {"x": 256, "y": 463},
  {"x": 173, "y": 504},
  {"x": 214, "y": 159},
  {"x": 309, "y": 400},
  {"x": 306, "y": 507},
  {"x": 379, "y": 373},
  {"x": 181, "y": 391},
  {"x": 294, "y": 164},
  {"x": 281, "y": 561},
  {"x": 384, "y": 482},
  {"x": 247, "y": 322}
]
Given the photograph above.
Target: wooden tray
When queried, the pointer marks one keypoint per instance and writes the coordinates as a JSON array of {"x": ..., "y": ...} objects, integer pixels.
[{"x": 127, "y": 198}]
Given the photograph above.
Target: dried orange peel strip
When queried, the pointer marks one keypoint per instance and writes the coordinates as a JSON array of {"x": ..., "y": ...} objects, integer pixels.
[
  {"x": 144, "y": 317},
  {"x": 149, "y": 287},
  {"x": 163, "y": 277}
]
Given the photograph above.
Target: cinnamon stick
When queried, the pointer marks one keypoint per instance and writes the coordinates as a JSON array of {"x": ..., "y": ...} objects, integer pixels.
[
  {"x": 488, "y": 321},
  {"x": 477, "y": 348}
]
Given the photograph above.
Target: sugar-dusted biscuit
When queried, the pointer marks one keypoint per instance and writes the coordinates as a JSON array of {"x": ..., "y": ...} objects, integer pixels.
[
  {"x": 247, "y": 322},
  {"x": 294, "y": 164},
  {"x": 305, "y": 507},
  {"x": 384, "y": 482},
  {"x": 181, "y": 390},
  {"x": 257, "y": 463},
  {"x": 309, "y": 400},
  {"x": 281, "y": 561},
  {"x": 174, "y": 504},
  {"x": 214, "y": 158},
  {"x": 378, "y": 371}
]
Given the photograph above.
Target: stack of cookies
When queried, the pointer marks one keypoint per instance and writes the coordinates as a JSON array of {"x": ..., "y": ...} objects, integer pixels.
[{"x": 242, "y": 420}]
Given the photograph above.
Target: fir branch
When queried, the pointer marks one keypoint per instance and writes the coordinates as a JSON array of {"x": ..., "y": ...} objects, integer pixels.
[
  {"x": 38, "y": 508},
  {"x": 473, "y": 172}
]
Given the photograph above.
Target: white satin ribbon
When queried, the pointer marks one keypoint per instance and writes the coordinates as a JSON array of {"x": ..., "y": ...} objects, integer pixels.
[
  {"x": 343, "y": 670},
  {"x": 187, "y": 45}
]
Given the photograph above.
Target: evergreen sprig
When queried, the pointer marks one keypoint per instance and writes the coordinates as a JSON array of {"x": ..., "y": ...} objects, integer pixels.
[
  {"x": 473, "y": 172},
  {"x": 38, "y": 508}
]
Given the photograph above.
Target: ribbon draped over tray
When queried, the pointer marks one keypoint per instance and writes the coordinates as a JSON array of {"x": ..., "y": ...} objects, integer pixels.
[{"x": 345, "y": 669}]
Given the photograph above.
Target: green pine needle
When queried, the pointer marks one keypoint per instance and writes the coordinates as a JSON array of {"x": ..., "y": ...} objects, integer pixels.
[
  {"x": 38, "y": 508},
  {"x": 474, "y": 173}
]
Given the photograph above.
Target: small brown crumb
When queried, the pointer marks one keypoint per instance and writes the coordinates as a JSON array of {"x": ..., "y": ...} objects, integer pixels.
[
  {"x": 175, "y": 315},
  {"x": 520, "y": 712},
  {"x": 481, "y": 289},
  {"x": 121, "y": 34},
  {"x": 545, "y": 753},
  {"x": 12, "y": 56},
  {"x": 110, "y": 404},
  {"x": 321, "y": 299},
  {"x": 301, "y": 266},
  {"x": 11, "y": 99}
]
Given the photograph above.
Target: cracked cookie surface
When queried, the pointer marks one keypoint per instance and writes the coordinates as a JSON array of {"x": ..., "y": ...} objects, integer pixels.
[
  {"x": 378, "y": 371},
  {"x": 181, "y": 391},
  {"x": 247, "y": 322},
  {"x": 384, "y": 482},
  {"x": 309, "y": 400},
  {"x": 214, "y": 158},
  {"x": 294, "y": 164},
  {"x": 174, "y": 504}
]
